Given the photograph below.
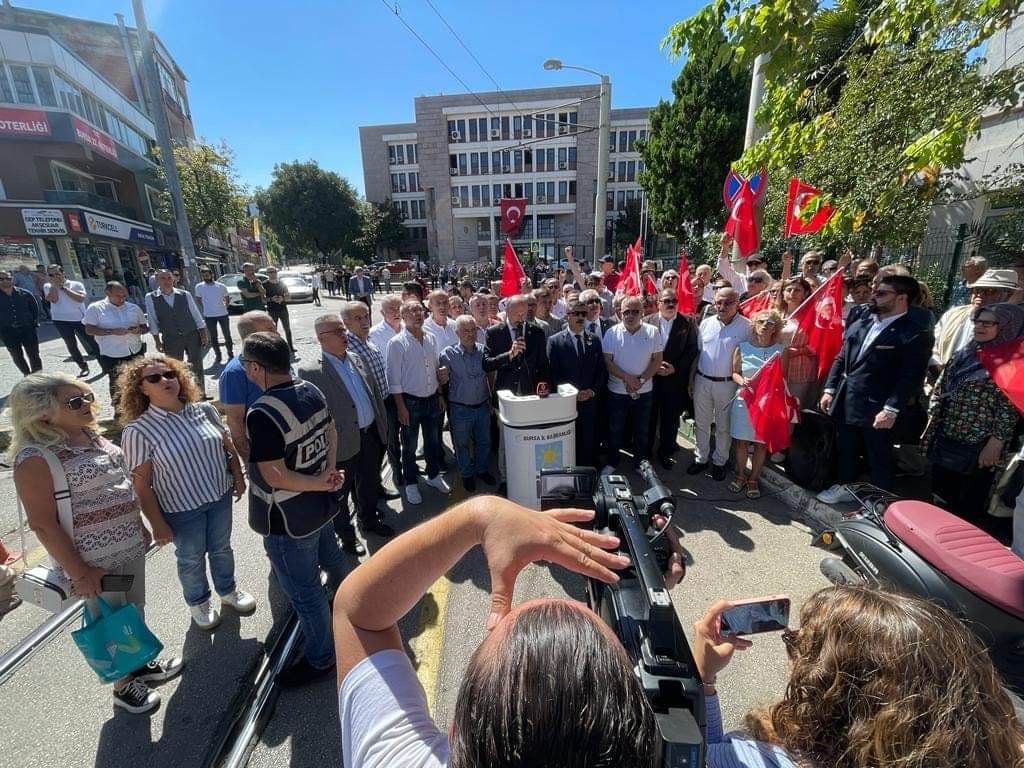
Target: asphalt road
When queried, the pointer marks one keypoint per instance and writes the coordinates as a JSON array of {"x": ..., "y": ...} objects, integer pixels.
[{"x": 55, "y": 714}]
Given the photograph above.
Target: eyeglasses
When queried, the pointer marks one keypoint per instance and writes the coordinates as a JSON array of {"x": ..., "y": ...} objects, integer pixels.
[
  {"x": 154, "y": 378},
  {"x": 669, "y": 302},
  {"x": 577, "y": 314},
  {"x": 770, "y": 323},
  {"x": 727, "y": 303},
  {"x": 630, "y": 312},
  {"x": 979, "y": 321},
  {"x": 75, "y": 403},
  {"x": 790, "y": 638},
  {"x": 755, "y": 279},
  {"x": 593, "y": 301}
]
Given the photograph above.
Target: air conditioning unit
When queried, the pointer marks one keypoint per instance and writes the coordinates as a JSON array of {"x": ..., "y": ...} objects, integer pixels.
[
  {"x": 527, "y": 133},
  {"x": 495, "y": 133},
  {"x": 563, "y": 166},
  {"x": 611, "y": 175},
  {"x": 453, "y": 171},
  {"x": 563, "y": 130},
  {"x": 456, "y": 201},
  {"x": 455, "y": 136},
  {"x": 506, "y": 169}
]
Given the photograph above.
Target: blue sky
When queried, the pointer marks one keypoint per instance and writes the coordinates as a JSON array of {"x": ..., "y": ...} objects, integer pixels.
[{"x": 293, "y": 80}]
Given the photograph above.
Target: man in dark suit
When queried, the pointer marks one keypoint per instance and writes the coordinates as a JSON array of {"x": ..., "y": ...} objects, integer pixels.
[
  {"x": 356, "y": 404},
  {"x": 880, "y": 367},
  {"x": 671, "y": 395},
  {"x": 517, "y": 351},
  {"x": 594, "y": 323},
  {"x": 576, "y": 358}
]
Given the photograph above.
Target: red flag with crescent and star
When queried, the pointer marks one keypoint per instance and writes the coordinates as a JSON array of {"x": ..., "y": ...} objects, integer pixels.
[
  {"x": 684, "y": 285},
  {"x": 513, "y": 211},
  {"x": 1005, "y": 364},
  {"x": 756, "y": 303},
  {"x": 512, "y": 273},
  {"x": 801, "y": 196},
  {"x": 741, "y": 196},
  {"x": 630, "y": 284},
  {"x": 820, "y": 321},
  {"x": 770, "y": 406}
]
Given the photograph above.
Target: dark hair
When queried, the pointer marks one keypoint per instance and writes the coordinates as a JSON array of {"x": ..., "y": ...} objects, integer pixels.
[
  {"x": 269, "y": 350},
  {"x": 112, "y": 284},
  {"x": 554, "y": 692},
  {"x": 904, "y": 286},
  {"x": 413, "y": 287},
  {"x": 854, "y": 282},
  {"x": 467, "y": 284}
]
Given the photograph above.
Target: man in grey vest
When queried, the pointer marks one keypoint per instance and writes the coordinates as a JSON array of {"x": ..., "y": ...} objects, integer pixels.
[{"x": 177, "y": 324}]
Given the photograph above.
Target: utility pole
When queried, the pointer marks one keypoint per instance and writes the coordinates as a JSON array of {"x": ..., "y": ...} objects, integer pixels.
[
  {"x": 163, "y": 137},
  {"x": 752, "y": 133},
  {"x": 601, "y": 201}
]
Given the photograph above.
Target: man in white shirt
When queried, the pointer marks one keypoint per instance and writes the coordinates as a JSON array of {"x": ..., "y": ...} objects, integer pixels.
[
  {"x": 67, "y": 300},
  {"x": 390, "y": 325},
  {"x": 118, "y": 326},
  {"x": 360, "y": 287},
  {"x": 314, "y": 283},
  {"x": 177, "y": 325},
  {"x": 632, "y": 351},
  {"x": 439, "y": 324},
  {"x": 711, "y": 383},
  {"x": 213, "y": 298},
  {"x": 478, "y": 309}
]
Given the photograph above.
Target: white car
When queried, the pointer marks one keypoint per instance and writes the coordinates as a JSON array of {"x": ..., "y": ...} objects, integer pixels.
[{"x": 230, "y": 282}]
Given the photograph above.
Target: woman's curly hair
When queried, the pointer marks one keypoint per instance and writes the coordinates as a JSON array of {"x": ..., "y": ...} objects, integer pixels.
[
  {"x": 132, "y": 403},
  {"x": 884, "y": 679}
]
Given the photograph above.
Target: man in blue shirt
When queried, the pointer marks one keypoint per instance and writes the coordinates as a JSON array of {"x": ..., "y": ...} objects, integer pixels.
[{"x": 234, "y": 389}]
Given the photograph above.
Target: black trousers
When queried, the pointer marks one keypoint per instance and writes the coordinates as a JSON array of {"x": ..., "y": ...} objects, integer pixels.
[
  {"x": 112, "y": 367},
  {"x": 853, "y": 442},
  {"x": 23, "y": 342},
  {"x": 281, "y": 316},
  {"x": 966, "y": 493},
  {"x": 362, "y": 474},
  {"x": 394, "y": 447},
  {"x": 224, "y": 324},
  {"x": 587, "y": 416},
  {"x": 666, "y": 410},
  {"x": 72, "y": 331}
]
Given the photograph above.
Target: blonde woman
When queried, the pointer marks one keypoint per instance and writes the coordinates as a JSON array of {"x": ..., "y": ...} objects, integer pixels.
[
  {"x": 54, "y": 412},
  {"x": 184, "y": 469}
]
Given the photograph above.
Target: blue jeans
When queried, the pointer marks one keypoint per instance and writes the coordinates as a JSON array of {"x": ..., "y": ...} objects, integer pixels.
[
  {"x": 297, "y": 564},
  {"x": 200, "y": 534},
  {"x": 619, "y": 407},
  {"x": 425, "y": 417},
  {"x": 471, "y": 433}
]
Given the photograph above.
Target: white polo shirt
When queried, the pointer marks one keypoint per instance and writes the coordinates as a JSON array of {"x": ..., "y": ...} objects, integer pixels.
[
  {"x": 444, "y": 335},
  {"x": 717, "y": 341},
  {"x": 212, "y": 296},
  {"x": 631, "y": 352},
  {"x": 105, "y": 315},
  {"x": 65, "y": 307}
]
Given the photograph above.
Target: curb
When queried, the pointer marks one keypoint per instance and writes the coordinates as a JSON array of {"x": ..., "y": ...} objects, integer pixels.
[{"x": 798, "y": 501}]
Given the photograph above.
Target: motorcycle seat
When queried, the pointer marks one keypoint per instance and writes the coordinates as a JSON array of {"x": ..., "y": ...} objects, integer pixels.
[{"x": 961, "y": 551}]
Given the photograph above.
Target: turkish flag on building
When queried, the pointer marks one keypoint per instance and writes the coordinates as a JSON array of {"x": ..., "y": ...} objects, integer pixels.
[
  {"x": 630, "y": 283},
  {"x": 756, "y": 303},
  {"x": 820, "y": 321},
  {"x": 684, "y": 286},
  {"x": 801, "y": 196},
  {"x": 1005, "y": 364},
  {"x": 512, "y": 273},
  {"x": 770, "y": 406},
  {"x": 513, "y": 211}
]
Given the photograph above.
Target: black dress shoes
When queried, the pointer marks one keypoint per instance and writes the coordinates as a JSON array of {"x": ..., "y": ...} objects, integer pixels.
[
  {"x": 353, "y": 547},
  {"x": 378, "y": 527},
  {"x": 718, "y": 473},
  {"x": 667, "y": 462},
  {"x": 696, "y": 468}
]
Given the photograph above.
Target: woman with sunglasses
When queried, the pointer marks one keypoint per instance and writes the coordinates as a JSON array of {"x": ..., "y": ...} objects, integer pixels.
[
  {"x": 57, "y": 413},
  {"x": 971, "y": 421},
  {"x": 185, "y": 469},
  {"x": 875, "y": 679},
  {"x": 802, "y": 375},
  {"x": 747, "y": 359}
]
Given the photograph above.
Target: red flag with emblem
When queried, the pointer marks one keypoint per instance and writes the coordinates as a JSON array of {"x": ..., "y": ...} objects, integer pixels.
[
  {"x": 630, "y": 284},
  {"x": 770, "y": 406},
  {"x": 801, "y": 196},
  {"x": 512, "y": 273},
  {"x": 1005, "y": 364},
  {"x": 756, "y": 303},
  {"x": 819, "y": 321},
  {"x": 513, "y": 211},
  {"x": 742, "y": 223},
  {"x": 684, "y": 286}
]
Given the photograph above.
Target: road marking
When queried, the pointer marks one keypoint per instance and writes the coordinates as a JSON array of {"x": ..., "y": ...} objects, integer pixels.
[{"x": 429, "y": 642}]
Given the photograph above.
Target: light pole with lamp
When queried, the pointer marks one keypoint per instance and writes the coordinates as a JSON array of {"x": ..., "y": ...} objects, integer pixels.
[{"x": 601, "y": 200}]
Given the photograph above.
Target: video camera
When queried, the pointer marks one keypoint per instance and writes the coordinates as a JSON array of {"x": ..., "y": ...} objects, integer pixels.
[{"x": 638, "y": 608}]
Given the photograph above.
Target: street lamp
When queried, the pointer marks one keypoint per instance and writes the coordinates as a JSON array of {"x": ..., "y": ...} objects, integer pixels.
[{"x": 601, "y": 201}]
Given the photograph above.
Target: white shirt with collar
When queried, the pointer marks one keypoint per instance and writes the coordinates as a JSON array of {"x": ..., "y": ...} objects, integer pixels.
[
  {"x": 382, "y": 333},
  {"x": 412, "y": 364},
  {"x": 631, "y": 353},
  {"x": 66, "y": 308},
  {"x": 666, "y": 326},
  {"x": 444, "y": 335},
  {"x": 108, "y": 316},
  {"x": 875, "y": 330},
  {"x": 717, "y": 341},
  {"x": 154, "y": 324}
]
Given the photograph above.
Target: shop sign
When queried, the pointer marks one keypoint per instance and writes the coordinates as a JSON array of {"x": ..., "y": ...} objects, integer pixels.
[
  {"x": 94, "y": 138},
  {"x": 44, "y": 221},
  {"x": 95, "y": 224},
  {"x": 23, "y": 122}
]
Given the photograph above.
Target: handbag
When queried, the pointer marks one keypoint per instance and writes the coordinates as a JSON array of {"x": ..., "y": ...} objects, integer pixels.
[
  {"x": 954, "y": 455},
  {"x": 115, "y": 643}
]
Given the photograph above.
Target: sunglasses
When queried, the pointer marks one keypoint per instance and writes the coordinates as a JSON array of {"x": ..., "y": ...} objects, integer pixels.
[
  {"x": 75, "y": 403},
  {"x": 881, "y": 293},
  {"x": 755, "y": 279},
  {"x": 790, "y": 638},
  {"x": 594, "y": 301},
  {"x": 5, "y": 279},
  {"x": 769, "y": 323},
  {"x": 630, "y": 312},
  {"x": 577, "y": 314},
  {"x": 669, "y": 302},
  {"x": 154, "y": 378}
]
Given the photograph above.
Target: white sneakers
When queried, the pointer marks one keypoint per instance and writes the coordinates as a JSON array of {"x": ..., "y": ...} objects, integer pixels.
[
  {"x": 412, "y": 494},
  {"x": 205, "y": 615},
  {"x": 242, "y": 602},
  {"x": 837, "y": 494},
  {"x": 438, "y": 483}
]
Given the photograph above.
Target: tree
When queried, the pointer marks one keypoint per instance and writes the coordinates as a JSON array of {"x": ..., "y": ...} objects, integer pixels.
[
  {"x": 381, "y": 227},
  {"x": 627, "y": 227},
  {"x": 868, "y": 99},
  {"x": 213, "y": 196},
  {"x": 692, "y": 141},
  {"x": 311, "y": 210}
]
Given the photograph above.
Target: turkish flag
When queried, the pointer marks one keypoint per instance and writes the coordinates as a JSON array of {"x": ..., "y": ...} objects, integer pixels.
[
  {"x": 512, "y": 273},
  {"x": 770, "y": 406},
  {"x": 1005, "y": 364},
  {"x": 684, "y": 286},
  {"x": 513, "y": 211},
  {"x": 742, "y": 223},
  {"x": 820, "y": 321},
  {"x": 650, "y": 287},
  {"x": 630, "y": 283},
  {"x": 801, "y": 195},
  {"x": 756, "y": 303}
]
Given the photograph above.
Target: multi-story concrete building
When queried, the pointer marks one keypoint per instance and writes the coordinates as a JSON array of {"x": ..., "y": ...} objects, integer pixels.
[{"x": 448, "y": 171}]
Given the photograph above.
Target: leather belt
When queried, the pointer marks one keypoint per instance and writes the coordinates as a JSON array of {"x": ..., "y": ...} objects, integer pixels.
[
  {"x": 407, "y": 396},
  {"x": 714, "y": 378},
  {"x": 481, "y": 404}
]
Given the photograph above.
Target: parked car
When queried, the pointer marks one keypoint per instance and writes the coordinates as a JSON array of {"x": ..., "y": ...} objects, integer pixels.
[
  {"x": 230, "y": 281},
  {"x": 299, "y": 287}
]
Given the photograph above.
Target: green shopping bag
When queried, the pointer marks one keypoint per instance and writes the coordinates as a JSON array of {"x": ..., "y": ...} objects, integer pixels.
[{"x": 115, "y": 643}]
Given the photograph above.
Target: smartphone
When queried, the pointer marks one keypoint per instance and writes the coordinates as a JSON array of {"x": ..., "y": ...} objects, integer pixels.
[
  {"x": 759, "y": 614},
  {"x": 115, "y": 582}
]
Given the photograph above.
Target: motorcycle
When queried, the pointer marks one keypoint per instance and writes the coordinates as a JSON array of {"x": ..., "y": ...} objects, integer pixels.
[{"x": 916, "y": 547}]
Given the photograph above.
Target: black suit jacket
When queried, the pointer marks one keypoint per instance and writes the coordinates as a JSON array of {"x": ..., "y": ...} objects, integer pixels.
[
  {"x": 520, "y": 374},
  {"x": 606, "y": 323},
  {"x": 889, "y": 373},
  {"x": 588, "y": 372},
  {"x": 680, "y": 351}
]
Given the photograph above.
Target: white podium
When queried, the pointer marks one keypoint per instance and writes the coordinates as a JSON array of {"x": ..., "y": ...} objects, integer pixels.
[{"x": 539, "y": 433}]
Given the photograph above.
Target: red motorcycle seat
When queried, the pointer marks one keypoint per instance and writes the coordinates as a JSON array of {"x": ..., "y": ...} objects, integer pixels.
[{"x": 963, "y": 552}]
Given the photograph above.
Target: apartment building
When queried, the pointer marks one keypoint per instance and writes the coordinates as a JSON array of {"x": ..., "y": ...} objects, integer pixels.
[{"x": 448, "y": 171}]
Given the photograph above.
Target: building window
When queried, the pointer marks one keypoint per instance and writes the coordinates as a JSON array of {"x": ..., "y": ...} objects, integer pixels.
[
  {"x": 506, "y": 161},
  {"x": 505, "y": 132},
  {"x": 405, "y": 209},
  {"x": 105, "y": 188},
  {"x": 611, "y": 141},
  {"x": 402, "y": 185},
  {"x": 464, "y": 195},
  {"x": 630, "y": 197},
  {"x": 463, "y": 170},
  {"x": 572, "y": 158},
  {"x": 623, "y": 138},
  {"x": 495, "y": 126},
  {"x": 643, "y": 134},
  {"x": 485, "y": 195},
  {"x": 572, "y": 122},
  {"x": 620, "y": 199},
  {"x": 22, "y": 84},
  {"x": 483, "y": 163},
  {"x": 545, "y": 226},
  {"x": 563, "y": 192},
  {"x": 639, "y": 167},
  {"x": 552, "y": 129},
  {"x": 527, "y": 160},
  {"x": 473, "y": 133},
  {"x": 563, "y": 158},
  {"x": 400, "y": 154},
  {"x": 496, "y": 189},
  {"x": 551, "y": 191},
  {"x": 495, "y": 162},
  {"x": 474, "y": 161},
  {"x": 415, "y": 152},
  {"x": 159, "y": 205},
  {"x": 476, "y": 195},
  {"x": 622, "y": 171},
  {"x": 394, "y": 182},
  {"x": 632, "y": 141},
  {"x": 527, "y": 123},
  {"x": 414, "y": 182},
  {"x": 610, "y": 201},
  {"x": 631, "y": 170},
  {"x": 517, "y": 161},
  {"x": 70, "y": 180},
  {"x": 460, "y": 126},
  {"x": 517, "y": 127},
  {"x": 528, "y": 192},
  {"x": 451, "y": 130},
  {"x": 540, "y": 160},
  {"x": 572, "y": 191},
  {"x": 563, "y": 122},
  {"x": 391, "y": 154},
  {"x": 44, "y": 86}
]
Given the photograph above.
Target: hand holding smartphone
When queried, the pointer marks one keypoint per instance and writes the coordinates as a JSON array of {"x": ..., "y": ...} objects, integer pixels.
[
  {"x": 758, "y": 614},
  {"x": 116, "y": 582}
]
